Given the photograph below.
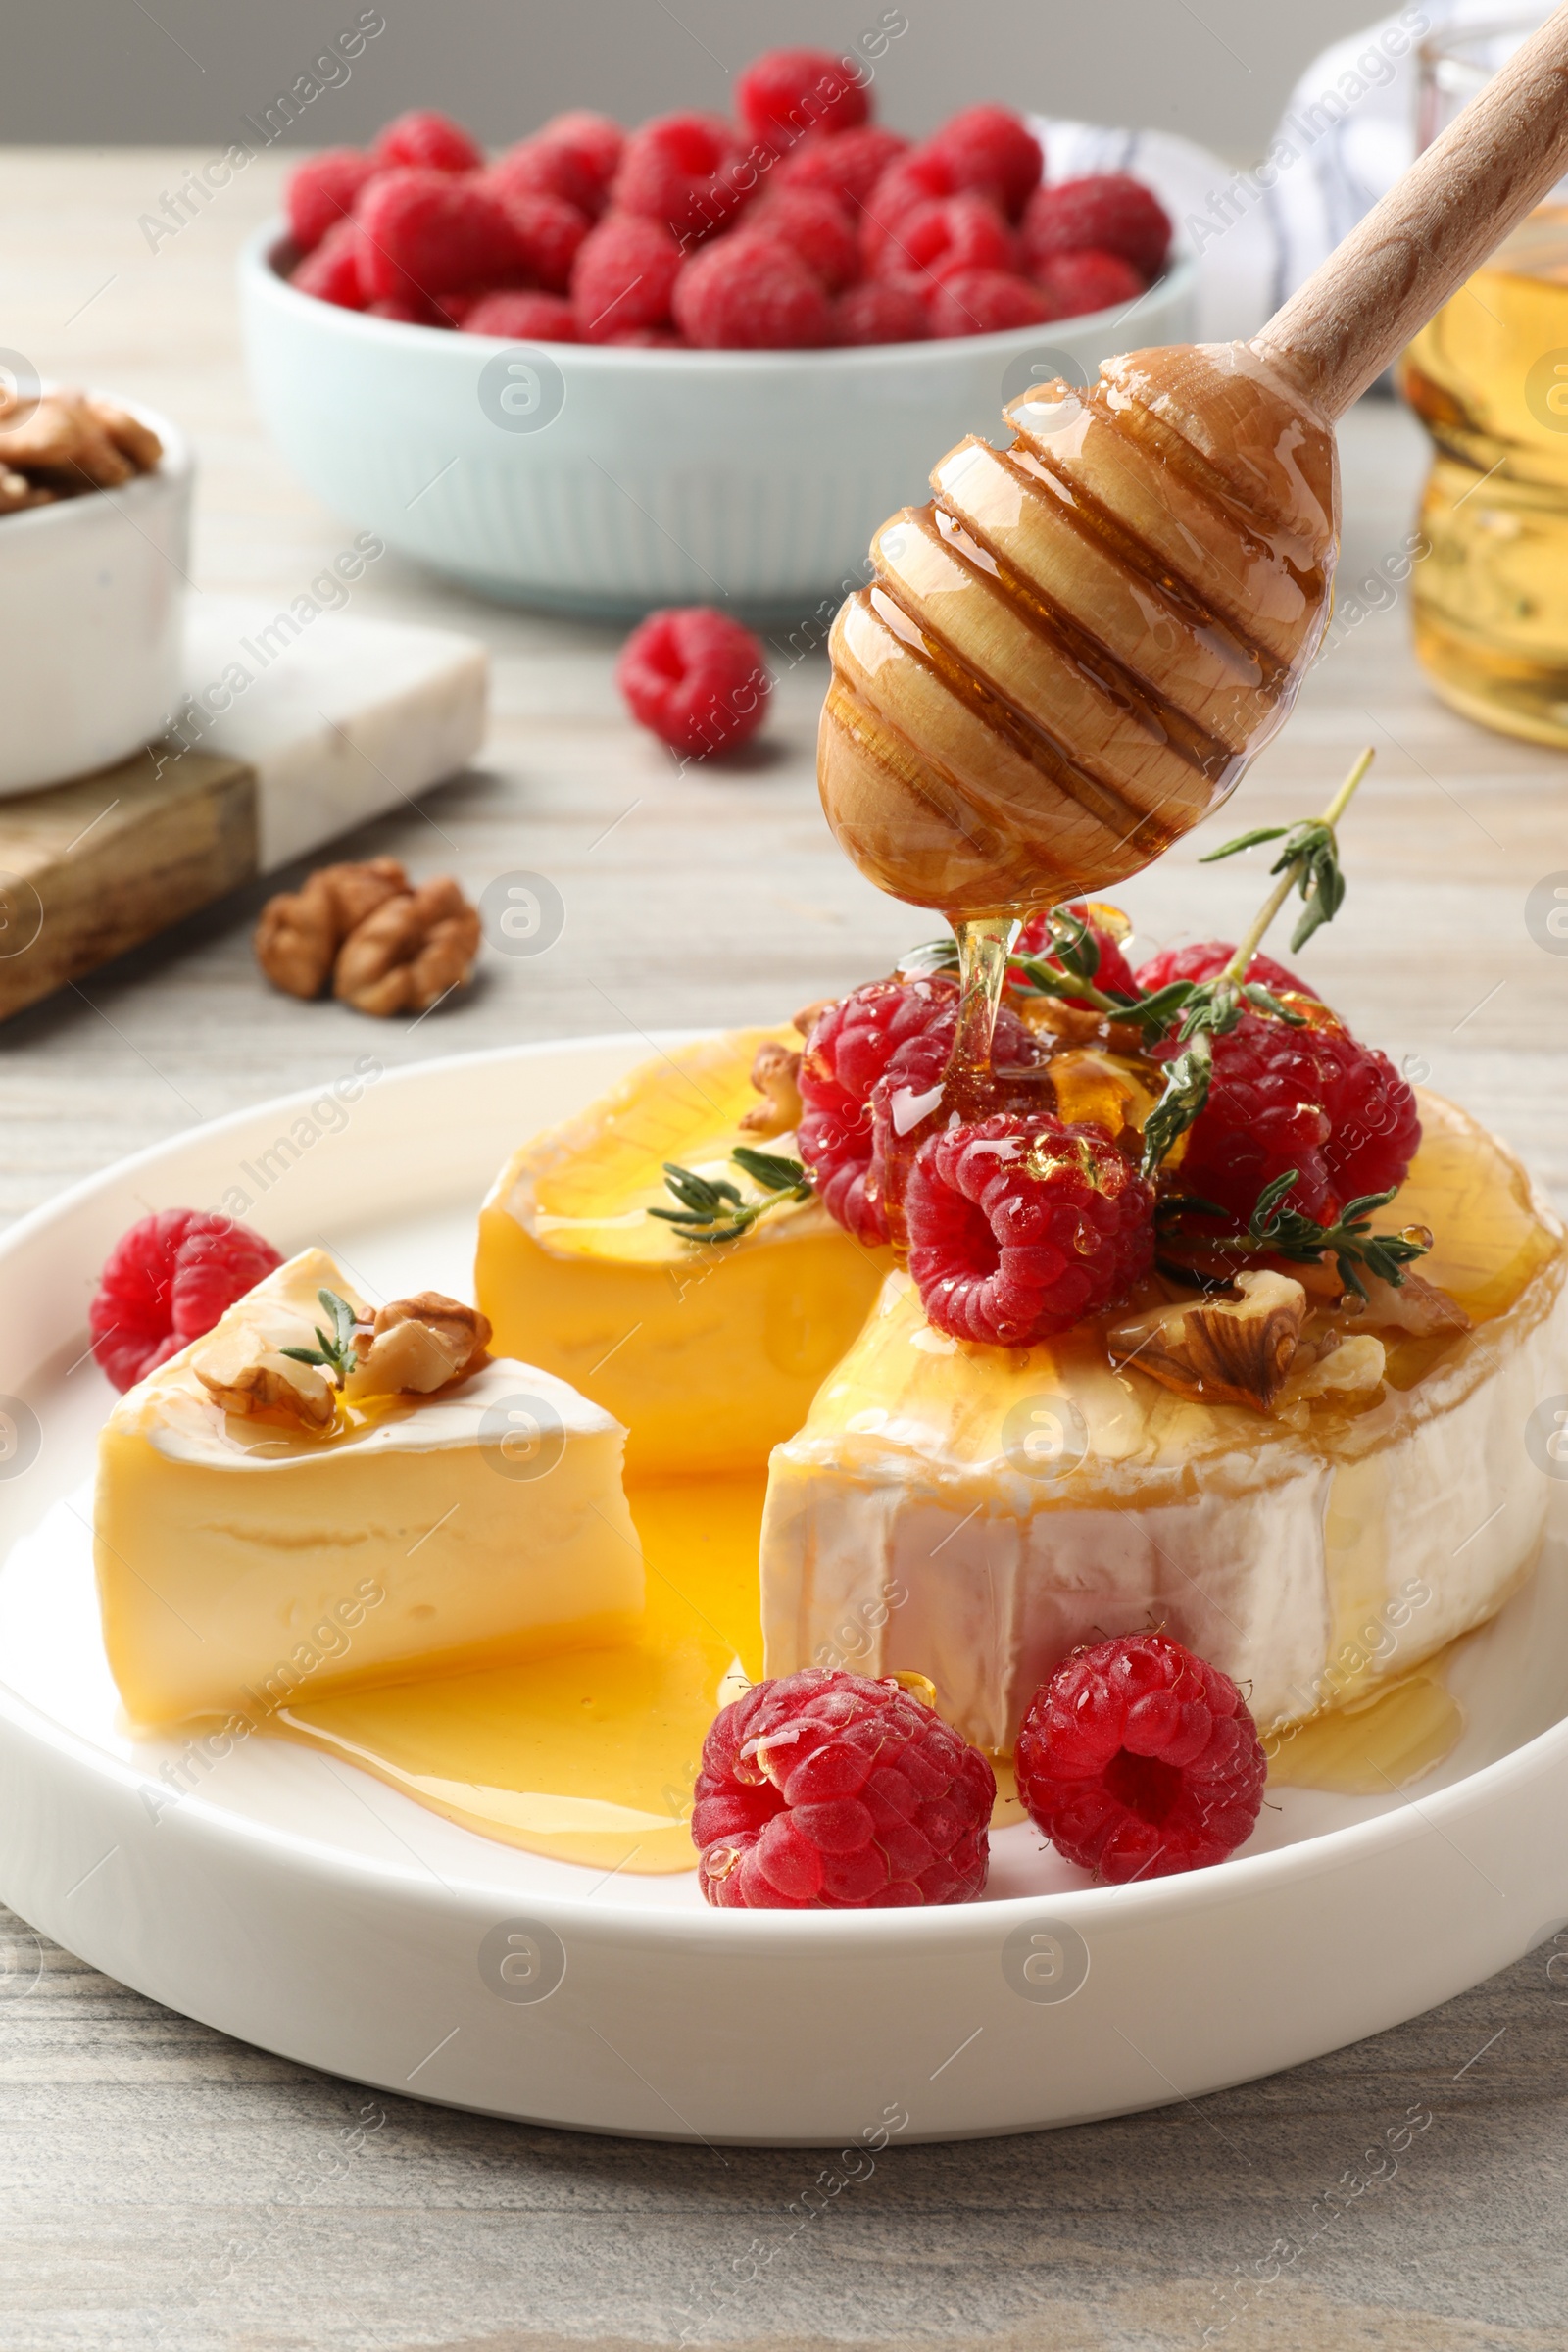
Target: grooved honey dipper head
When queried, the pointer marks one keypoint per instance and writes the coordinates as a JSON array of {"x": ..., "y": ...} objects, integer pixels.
[{"x": 1070, "y": 657}]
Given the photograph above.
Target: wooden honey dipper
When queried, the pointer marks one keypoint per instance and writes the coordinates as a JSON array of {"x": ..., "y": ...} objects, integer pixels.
[{"x": 1071, "y": 655}]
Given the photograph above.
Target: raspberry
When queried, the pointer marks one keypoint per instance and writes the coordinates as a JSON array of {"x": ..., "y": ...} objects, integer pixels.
[
  {"x": 824, "y": 1791},
  {"x": 1137, "y": 1760},
  {"x": 847, "y": 165},
  {"x": 1108, "y": 211},
  {"x": 166, "y": 1281},
  {"x": 1112, "y": 976},
  {"x": 681, "y": 170},
  {"x": 1019, "y": 1226},
  {"x": 888, "y": 1038},
  {"x": 432, "y": 141},
  {"x": 544, "y": 168},
  {"x": 331, "y": 270},
  {"x": 521, "y": 317},
  {"x": 548, "y": 232},
  {"x": 594, "y": 144},
  {"x": 624, "y": 277},
  {"x": 993, "y": 150},
  {"x": 748, "y": 293},
  {"x": 948, "y": 234},
  {"x": 1314, "y": 1099},
  {"x": 1090, "y": 281},
  {"x": 411, "y": 308},
  {"x": 696, "y": 677},
  {"x": 889, "y": 311},
  {"x": 818, "y": 229},
  {"x": 1206, "y": 959},
  {"x": 914, "y": 179},
  {"x": 427, "y": 232},
  {"x": 787, "y": 92},
  {"x": 648, "y": 338},
  {"x": 986, "y": 302},
  {"x": 322, "y": 190}
]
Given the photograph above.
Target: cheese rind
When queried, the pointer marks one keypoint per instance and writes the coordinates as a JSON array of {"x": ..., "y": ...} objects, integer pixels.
[
  {"x": 709, "y": 1354},
  {"x": 975, "y": 1514},
  {"x": 241, "y": 1564}
]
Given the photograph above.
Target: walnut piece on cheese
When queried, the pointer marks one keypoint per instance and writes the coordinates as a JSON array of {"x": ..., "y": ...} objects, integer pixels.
[
  {"x": 417, "y": 1346},
  {"x": 1221, "y": 1350},
  {"x": 247, "y": 1381},
  {"x": 775, "y": 1074}
]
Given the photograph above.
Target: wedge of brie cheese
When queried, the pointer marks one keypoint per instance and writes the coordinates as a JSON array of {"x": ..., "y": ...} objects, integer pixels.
[
  {"x": 973, "y": 1514},
  {"x": 247, "y": 1559}
]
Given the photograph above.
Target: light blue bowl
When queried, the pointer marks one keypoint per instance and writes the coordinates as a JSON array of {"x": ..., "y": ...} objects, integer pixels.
[{"x": 612, "y": 480}]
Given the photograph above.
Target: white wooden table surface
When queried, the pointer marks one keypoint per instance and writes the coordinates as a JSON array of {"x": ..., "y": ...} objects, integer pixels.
[{"x": 161, "y": 2186}]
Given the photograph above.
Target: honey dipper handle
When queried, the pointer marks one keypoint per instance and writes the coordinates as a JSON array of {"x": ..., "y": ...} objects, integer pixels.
[{"x": 1456, "y": 203}]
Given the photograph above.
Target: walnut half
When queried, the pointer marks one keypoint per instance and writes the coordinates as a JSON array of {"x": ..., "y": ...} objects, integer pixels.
[
  {"x": 300, "y": 931},
  {"x": 247, "y": 1378},
  {"x": 411, "y": 951},
  {"x": 417, "y": 1346},
  {"x": 1218, "y": 1350},
  {"x": 776, "y": 1075}
]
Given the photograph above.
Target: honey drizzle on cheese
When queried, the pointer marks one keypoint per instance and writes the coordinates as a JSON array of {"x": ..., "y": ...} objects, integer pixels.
[{"x": 589, "y": 1756}]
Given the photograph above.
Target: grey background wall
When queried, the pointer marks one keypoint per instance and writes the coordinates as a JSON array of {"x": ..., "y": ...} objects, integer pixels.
[{"x": 184, "y": 72}]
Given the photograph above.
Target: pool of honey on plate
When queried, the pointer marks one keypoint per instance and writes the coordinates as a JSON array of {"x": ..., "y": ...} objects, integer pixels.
[{"x": 589, "y": 1756}]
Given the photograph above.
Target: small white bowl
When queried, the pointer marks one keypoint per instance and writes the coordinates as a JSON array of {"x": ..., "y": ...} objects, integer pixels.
[
  {"x": 91, "y": 621},
  {"x": 612, "y": 480}
]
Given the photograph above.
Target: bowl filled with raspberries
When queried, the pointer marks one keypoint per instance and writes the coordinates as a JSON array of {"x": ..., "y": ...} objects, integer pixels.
[{"x": 611, "y": 368}]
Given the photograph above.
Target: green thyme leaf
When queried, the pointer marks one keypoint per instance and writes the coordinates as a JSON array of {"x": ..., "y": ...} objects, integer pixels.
[
  {"x": 335, "y": 1350},
  {"x": 712, "y": 1210},
  {"x": 1186, "y": 1083}
]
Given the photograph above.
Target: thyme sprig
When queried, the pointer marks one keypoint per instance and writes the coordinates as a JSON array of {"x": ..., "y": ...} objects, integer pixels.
[
  {"x": 334, "y": 1351},
  {"x": 1309, "y": 863},
  {"x": 1275, "y": 1229},
  {"x": 712, "y": 1210}
]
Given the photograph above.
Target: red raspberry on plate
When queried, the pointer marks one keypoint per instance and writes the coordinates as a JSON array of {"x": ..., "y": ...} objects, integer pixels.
[
  {"x": 427, "y": 232},
  {"x": 682, "y": 169},
  {"x": 332, "y": 269},
  {"x": 624, "y": 277},
  {"x": 166, "y": 1281},
  {"x": 1107, "y": 210},
  {"x": 594, "y": 145},
  {"x": 1138, "y": 1759},
  {"x": 985, "y": 302},
  {"x": 432, "y": 141},
  {"x": 1314, "y": 1099},
  {"x": 1019, "y": 1226},
  {"x": 787, "y": 92},
  {"x": 992, "y": 149},
  {"x": 519, "y": 315},
  {"x": 948, "y": 234},
  {"x": 881, "y": 311},
  {"x": 1090, "y": 281},
  {"x": 867, "y": 1057},
  {"x": 1206, "y": 959},
  {"x": 818, "y": 229},
  {"x": 549, "y": 234},
  {"x": 847, "y": 166},
  {"x": 824, "y": 1791},
  {"x": 324, "y": 190},
  {"x": 1113, "y": 975},
  {"x": 695, "y": 678},
  {"x": 749, "y": 293}
]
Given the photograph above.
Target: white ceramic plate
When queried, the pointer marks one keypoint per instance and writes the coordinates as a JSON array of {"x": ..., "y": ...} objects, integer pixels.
[{"x": 304, "y": 1906}]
